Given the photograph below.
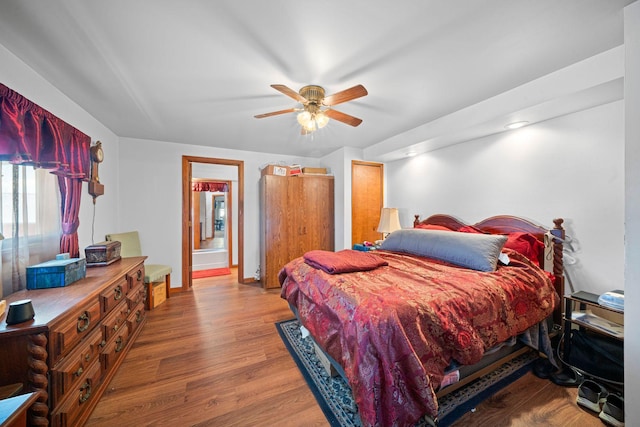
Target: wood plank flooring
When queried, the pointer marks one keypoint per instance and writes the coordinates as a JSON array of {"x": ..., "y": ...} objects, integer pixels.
[{"x": 213, "y": 357}]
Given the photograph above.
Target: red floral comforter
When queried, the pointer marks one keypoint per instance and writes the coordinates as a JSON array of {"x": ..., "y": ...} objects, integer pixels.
[{"x": 395, "y": 329}]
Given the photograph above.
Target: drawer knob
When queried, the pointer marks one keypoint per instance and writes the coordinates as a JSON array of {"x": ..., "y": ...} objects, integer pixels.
[
  {"x": 139, "y": 274},
  {"x": 119, "y": 344},
  {"x": 83, "y": 322},
  {"x": 138, "y": 316},
  {"x": 85, "y": 392},
  {"x": 117, "y": 293},
  {"x": 78, "y": 372}
]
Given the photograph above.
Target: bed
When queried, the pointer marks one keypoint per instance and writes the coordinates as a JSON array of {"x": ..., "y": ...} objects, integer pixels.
[{"x": 435, "y": 296}]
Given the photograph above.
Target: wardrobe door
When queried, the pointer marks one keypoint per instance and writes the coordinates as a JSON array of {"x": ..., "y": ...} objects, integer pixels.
[
  {"x": 319, "y": 214},
  {"x": 310, "y": 199},
  {"x": 275, "y": 226}
]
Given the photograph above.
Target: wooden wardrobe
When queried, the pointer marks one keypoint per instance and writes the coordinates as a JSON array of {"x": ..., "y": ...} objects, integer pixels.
[{"x": 296, "y": 216}]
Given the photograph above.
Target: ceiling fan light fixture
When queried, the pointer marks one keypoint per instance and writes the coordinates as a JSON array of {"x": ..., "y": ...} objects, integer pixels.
[
  {"x": 310, "y": 126},
  {"x": 321, "y": 119},
  {"x": 315, "y": 106},
  {"x": 304, "y": 118}
]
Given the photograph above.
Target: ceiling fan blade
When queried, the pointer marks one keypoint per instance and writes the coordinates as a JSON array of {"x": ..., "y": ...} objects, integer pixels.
[
  {"x": 291, "y": 93},
  {"x": 345, "y": 95},
  {"x": 342, "y": 117},
  {"x": 275, "y": 113}
]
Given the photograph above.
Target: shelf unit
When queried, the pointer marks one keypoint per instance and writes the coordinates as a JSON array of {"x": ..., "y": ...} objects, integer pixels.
[{"x": 583, "y": 312}]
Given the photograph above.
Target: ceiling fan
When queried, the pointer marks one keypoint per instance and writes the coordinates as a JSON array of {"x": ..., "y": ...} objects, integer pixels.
[{"x": 316, "y": 107}]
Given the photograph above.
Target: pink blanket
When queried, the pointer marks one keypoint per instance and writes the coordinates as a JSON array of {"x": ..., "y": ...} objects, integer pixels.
[
  {"x": 345, "y": 261},
  {"x": 395, "y": 329}
]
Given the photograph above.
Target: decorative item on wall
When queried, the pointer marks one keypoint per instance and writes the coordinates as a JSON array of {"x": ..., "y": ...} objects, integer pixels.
[
  {"x": 97, "y": 156},
  {"x": 316, "y": 108}
]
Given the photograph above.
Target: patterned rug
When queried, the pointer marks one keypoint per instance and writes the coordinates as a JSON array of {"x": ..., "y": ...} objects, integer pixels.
[
  {"x": 200, "y": 274},
  {"x": 334, "y": 395}
]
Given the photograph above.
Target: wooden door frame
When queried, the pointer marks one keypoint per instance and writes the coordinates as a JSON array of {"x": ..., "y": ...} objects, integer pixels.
[{"x": 187, "y": 260}]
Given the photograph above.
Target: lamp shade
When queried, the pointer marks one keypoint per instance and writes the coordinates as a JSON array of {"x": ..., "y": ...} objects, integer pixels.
[{"x": 389, "y": 220}]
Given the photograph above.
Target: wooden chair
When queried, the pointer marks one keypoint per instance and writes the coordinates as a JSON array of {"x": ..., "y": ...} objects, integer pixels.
[{"x": 153, "y": 273}]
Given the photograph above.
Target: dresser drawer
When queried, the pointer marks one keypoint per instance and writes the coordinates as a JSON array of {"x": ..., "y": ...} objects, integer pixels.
[
  {"x": 65, "y": 335},
  {"x": 136, "y": 317},
  {"x": 135, "y": 296},
  {"x": 115, "y": 321},
  {"x": 66, "y": 374},
  {"x": 136, "y": 277},
  {"x": 115, "y": 294},
  {"x": 81, "y": 396},
  {"x": 114, "y": 348}
]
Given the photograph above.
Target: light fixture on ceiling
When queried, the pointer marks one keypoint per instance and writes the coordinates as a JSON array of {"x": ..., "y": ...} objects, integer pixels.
[
  {"x": 318, "y": 108},
  {"x": 312, "y": 118},
  {"x": 516, "y": 125}
]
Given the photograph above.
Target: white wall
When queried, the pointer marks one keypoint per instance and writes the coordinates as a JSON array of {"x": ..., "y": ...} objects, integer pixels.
[
  {"x": 151, "y": 197},
  {"x": 18, "y": 76},
  {"x": 340, "y": 164},
  {"x": 632, "y": 211},
  {"x": 570, "y": 167}
]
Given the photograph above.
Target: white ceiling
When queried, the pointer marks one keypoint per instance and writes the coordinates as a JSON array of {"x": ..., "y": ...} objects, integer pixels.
[{"x": 197, "y": 71}]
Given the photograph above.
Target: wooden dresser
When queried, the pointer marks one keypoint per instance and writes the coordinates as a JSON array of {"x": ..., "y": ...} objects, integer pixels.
[
  {"x": 72, "y": 348},
  {"x": 296, "y": 216}
]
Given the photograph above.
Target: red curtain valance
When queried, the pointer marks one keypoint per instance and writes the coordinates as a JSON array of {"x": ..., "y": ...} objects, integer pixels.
[
  {"x": 217, "y": 187},
  {"x": 30, "y": 135}
]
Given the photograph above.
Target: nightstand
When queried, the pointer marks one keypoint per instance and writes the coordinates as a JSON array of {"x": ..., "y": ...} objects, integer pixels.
[{"x": 597, "y": 330}]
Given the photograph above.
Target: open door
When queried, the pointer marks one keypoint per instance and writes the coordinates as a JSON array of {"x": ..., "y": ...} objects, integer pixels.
[{"x": 187, "y": 222}]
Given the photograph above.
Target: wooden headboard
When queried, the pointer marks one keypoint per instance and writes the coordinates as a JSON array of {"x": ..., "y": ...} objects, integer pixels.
[{"x": 505, "y": 224}]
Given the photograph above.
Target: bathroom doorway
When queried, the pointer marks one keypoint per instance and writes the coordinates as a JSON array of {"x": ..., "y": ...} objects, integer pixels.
[{"x": 212, "y": 210}]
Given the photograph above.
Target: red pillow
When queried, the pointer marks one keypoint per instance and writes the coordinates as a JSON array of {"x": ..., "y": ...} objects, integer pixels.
[
  {"x": 527, "y": 245},
  {"x": 470, "y": 229},
  {"x": 433, "y": 227}
]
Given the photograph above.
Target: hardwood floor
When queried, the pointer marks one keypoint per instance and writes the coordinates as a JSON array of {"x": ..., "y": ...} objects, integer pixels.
[{"x": 212, "y": 357}]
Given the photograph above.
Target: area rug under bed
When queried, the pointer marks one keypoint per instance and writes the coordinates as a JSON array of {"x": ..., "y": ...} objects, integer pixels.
[{"x": 334, "y": 395}]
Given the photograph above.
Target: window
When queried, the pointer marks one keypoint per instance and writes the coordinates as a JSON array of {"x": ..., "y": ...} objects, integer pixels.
[{"x": 29, "y": 222}]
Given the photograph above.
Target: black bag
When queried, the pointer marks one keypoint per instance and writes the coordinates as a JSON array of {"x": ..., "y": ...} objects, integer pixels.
[{"x": 596, "y": 355}]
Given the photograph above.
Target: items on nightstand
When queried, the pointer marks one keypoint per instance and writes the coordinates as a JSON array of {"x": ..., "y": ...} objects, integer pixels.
[
  {"x": 612, "y": 299},
  {"x": 364, "y": 247}
]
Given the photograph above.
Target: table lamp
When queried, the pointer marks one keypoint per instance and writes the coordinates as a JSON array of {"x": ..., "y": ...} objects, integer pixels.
[{"x": 389, "y": 221}]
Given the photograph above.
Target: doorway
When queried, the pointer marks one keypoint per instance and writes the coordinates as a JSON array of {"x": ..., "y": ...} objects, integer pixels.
[
  {"x": 212, "y": 215},
  {"x": 233, "y": 216}
]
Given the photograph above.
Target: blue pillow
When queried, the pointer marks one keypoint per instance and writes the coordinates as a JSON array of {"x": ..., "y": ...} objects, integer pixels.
[{"x": 476, "y": 251}]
